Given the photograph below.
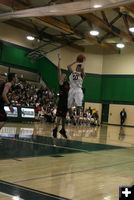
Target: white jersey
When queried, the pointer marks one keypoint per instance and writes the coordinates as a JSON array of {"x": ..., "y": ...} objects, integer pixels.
[{"x": 76, "y": 80}]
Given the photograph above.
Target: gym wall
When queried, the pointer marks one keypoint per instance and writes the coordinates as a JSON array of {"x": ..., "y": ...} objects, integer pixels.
[
  {"x": 122, "y": 63},
  {"x": 114, "y": 114},
  {"x": 118, "y": 84},
  {"x": 94, "y": 62},
  {"x": 14, "y": 35}
]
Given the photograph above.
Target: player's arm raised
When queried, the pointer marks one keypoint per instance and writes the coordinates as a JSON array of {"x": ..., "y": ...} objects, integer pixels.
[
  {"x": 59, "y": 70},
  {"x": 59, "y": 67},
  {"x": 82, "y": 68},
  {"x": 69, "y": 67}
]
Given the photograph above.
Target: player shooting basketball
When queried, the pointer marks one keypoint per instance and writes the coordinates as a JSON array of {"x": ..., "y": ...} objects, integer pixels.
[{"x": 75, "y": 94}]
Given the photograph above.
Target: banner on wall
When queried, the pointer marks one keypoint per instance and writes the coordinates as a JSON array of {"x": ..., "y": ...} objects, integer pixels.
[
  {"x": 27, "y": 113},
  {"x": 9, "y": 113}
]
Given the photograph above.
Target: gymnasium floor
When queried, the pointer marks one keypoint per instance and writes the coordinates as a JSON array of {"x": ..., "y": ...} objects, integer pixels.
[{"x": 90, "y": 165}]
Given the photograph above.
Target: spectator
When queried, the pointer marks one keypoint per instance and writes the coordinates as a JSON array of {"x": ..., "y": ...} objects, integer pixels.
[
  {"x": 123, "y": 116},
  {"x": 90, "y": 110}
]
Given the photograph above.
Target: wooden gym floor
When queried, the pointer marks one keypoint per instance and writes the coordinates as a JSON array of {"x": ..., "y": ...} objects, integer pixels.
[{"x": 90, "y": 165}]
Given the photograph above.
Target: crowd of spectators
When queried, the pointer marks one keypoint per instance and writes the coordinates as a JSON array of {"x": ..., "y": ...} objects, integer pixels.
[
  {"x": 29, "y": 95},
  {"x": 45, "y": 103},
  {"x": 87, "y": 117}
]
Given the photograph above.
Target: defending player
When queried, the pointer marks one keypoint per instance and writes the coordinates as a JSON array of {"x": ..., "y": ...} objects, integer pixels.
[{"x": 62, "y": 104}]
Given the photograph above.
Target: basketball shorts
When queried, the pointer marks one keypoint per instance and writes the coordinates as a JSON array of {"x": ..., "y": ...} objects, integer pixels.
[
  {"x": 75, "y": 97},
  {"x": 62, "y": 108}
]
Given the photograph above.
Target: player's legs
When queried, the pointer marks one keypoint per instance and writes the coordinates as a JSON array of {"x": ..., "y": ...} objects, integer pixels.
[
  {"x": 63, "y": 122},
  {"x": 71, "y": 104},
  {"x": 78, "y": 100},
  {"x": 62, "y": 131},
  {"x": 61, "y": 115},
  {"x": 78, "y": 97},
  {"x": 71, "y": 116},
  {"x": 58, "y": 119},
  {"x": 70, "y": 101}
]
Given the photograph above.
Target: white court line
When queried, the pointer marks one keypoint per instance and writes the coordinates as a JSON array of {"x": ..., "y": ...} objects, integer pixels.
[
  {"x": 50, "y": 145},
  {"x": 8, "y": 195},
  {"x": 30, "y": 189}
]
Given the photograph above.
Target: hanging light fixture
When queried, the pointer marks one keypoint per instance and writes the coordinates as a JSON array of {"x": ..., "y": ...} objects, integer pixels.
[
  {"x": 30, "y": 37},
  {"x": 120, "y": 45},
  {"x": 97, "y": 6},
  {"x": 94, "y": 32}
]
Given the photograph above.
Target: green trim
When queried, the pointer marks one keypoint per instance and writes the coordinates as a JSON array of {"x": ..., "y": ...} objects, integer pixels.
[
  {"x": 92, "y": 101},
  {"x": 93, "y": 75},
  {"x": 14, "y": 45},
  {"x": 118, "y": 102},
  {"x": 117, "y": 76},
  {"x": 109, "y": 102},
  {"x": 18, "y": 67}
]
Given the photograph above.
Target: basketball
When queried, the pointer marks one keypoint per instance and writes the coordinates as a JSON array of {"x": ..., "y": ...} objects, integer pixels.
[{"x": 80, "y": 58}]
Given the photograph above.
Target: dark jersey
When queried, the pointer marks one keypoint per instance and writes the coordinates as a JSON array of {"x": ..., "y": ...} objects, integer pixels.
[
  {"x": 3, "y": 116},
  {"x": 2, "y": 85},
  {"x": 63, "y": 93},
  {"x": 63, "y": 96}
]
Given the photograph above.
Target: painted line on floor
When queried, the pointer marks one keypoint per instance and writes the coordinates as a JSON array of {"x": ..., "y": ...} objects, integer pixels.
[
  {"x": 10, "y": 189},
  {"x": 8, "y": 195},
  {"x": 52, "y": 145},
  {"x": 75, "y": 172}
]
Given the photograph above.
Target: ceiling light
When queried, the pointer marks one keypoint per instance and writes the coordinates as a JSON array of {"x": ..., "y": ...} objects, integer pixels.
[
  {"x": 94, "y": 33},
  {"x": 131, "y": 29},
  {"x": 120, "y": 45},
  {"x": 29, "y": 37},
  {"x": 97, "y": 6}
]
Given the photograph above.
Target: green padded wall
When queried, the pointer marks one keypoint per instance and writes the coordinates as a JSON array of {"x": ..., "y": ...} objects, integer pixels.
[
  {"x": 92, "y": 85},
  {"x": 117, "y": 88},
  {"x": 16, "y": 57},
  {"x": 48, "y": 71}
]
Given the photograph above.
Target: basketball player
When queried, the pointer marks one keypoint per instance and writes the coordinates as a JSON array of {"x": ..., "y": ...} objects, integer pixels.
[
  {"x": 4, "y": 88},
  {"x": 75, "y": 94},
  {"x": 62, "y": 104}
]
